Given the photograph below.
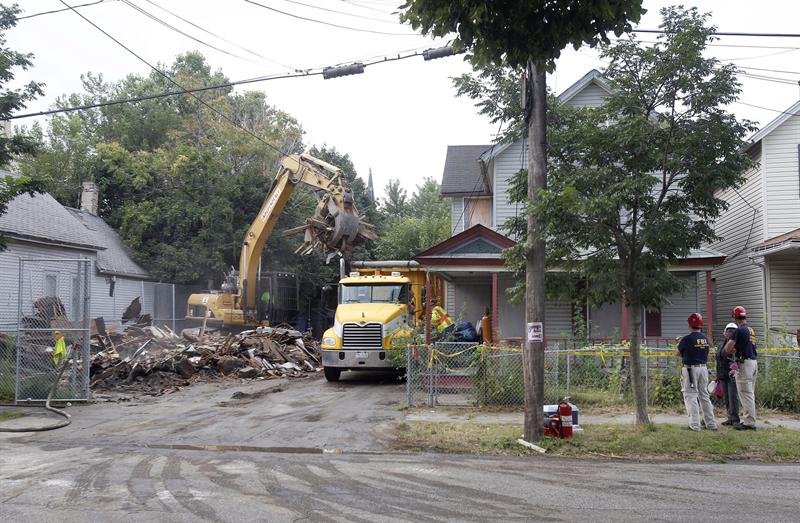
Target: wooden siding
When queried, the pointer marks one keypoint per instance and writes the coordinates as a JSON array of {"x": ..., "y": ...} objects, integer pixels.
[
  {"x": 738, "y": 281},
  {"x": 678, "y": 308},
  {"x": 101, "y": 304},
  {"x": 590, "y": 96},
  {"x": 450, "y": 297},
  {"x": 506, "y": 165},
  {"x": 784, "y": 294},
  {"x": 456, "y": 215},
  {"x": 782, "y": 168}
]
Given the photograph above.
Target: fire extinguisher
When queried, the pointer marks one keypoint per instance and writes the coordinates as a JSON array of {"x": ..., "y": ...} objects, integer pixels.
[{"x": 565, "y": 413}]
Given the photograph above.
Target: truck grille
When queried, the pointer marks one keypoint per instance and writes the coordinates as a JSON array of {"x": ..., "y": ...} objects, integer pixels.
[{"x": 370, "y": 336}]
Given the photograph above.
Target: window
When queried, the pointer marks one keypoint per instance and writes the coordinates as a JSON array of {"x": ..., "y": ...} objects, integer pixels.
[
  {"x": 652, "y": 324},
  {"x": 374, "y": 293},
  {"x": 77, "y": 296},
  {"x": 50, "y": 285}
]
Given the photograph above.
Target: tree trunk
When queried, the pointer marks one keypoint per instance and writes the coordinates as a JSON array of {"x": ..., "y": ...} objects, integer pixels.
[
  {"x": 637, "y": 384},
  {"x": 535, "y": 254}
]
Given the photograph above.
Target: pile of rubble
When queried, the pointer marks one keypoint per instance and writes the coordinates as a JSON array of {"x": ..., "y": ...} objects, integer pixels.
[{"x": 154, "y": 360}]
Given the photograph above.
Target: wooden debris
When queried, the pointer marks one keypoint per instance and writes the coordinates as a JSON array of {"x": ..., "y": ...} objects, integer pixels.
[{"x": 146, "y": 359}]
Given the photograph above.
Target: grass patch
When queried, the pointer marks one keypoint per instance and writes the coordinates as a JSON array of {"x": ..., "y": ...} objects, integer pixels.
[
  {"x": 8, "y": 414},
  {"x": 651, "y": 442}
]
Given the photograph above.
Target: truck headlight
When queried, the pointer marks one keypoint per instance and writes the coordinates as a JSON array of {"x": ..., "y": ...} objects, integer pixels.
[{"x": 329, "y": 341}]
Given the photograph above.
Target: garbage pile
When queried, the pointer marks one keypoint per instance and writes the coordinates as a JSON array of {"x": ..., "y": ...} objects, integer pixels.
[{"x": 154, "y": 360}]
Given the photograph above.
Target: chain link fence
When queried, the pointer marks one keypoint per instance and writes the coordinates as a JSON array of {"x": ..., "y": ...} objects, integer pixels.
[
  {"x": 53, "y": 298},
  {"x": 458, "y": 374}
]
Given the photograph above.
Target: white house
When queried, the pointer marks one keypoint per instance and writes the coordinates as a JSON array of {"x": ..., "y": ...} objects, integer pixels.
[
  {"x": 761, "y": 235},
  {"x": 476, "y": 180},
  {"x": 39, "y": 229}
]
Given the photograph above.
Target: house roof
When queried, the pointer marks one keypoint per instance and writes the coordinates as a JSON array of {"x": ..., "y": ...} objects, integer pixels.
[
  {"x": 764, "y": 131},
  {"x": 462, "y": 171},
  {"x": 116, "y": 258},
  {"x": 478, "y": 245},
  {"x": 593, "y": 77},
  {"x": 789, "y": 240},
  {"x": 41, "y": 218}
]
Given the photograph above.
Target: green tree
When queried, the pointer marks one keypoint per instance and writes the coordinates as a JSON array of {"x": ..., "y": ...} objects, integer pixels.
[
  {"x": 426, "y": 223},
  {"x": 632, "y": 183},
  {"x": 12, "y": 145},
  {"x": 529, "y": 34},
  {"x": 395, "y": 202}
]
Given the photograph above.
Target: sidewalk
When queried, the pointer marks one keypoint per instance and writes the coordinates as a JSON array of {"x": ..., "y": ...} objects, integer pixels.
[{"x": 478, "y": 417}]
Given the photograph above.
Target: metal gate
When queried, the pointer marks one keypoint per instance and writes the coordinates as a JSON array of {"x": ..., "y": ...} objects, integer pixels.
[{"x": 54, "y": 297}]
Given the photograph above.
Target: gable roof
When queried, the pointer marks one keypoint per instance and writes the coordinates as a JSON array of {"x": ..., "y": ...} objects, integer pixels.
[
  {"x": 593, "y": 77},
  {"x": 764, "y": 131},
  {"x": 462, "y": 171},
  {"x": 789, "y": 240},
  {"x": 478, "y": 245},
  {"x": 116, "y": 258},
  {"x": 41, "y": 218}
]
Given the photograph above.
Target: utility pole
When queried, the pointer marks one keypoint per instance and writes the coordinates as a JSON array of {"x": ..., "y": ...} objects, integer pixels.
[{"x": 536, "y": 93}]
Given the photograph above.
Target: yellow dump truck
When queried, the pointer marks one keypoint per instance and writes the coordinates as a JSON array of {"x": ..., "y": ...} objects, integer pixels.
[{"x": 380, "y": 305}]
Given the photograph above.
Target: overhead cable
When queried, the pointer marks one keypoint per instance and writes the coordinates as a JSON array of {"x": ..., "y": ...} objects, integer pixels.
[
  {"x": 59, "y": 10},
  {"x": 175, "y": 83},
  {"x": 312, "y": 6},
  {"x": 314, "y": 20},
  {"x": 246, "y": 50}
]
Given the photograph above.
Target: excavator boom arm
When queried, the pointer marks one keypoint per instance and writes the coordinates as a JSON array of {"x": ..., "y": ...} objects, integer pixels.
[{"x": 335, "y": 224}]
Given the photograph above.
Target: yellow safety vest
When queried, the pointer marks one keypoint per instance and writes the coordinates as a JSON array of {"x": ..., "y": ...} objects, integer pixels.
[{"x": 440, "y": 319}]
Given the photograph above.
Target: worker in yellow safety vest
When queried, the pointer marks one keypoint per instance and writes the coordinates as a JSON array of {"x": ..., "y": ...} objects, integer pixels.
[{"x": 440, "y": 320}]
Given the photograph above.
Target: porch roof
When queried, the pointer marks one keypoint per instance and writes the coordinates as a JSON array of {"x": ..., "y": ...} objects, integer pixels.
[
  {"x": 479, "y": 249},
  {"x": 782, "y": 243}
]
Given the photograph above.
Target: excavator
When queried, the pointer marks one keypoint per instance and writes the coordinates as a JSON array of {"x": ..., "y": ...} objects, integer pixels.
[{"x": 335, "y": 227}]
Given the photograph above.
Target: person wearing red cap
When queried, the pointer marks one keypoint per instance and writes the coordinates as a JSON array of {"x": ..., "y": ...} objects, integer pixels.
[
  {"x": 693, "y": 350},
  {"x": 745, "y": 369}
]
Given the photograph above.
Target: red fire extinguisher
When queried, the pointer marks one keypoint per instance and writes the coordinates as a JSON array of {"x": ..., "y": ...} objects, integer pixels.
[{"x": 565, "y": 413}]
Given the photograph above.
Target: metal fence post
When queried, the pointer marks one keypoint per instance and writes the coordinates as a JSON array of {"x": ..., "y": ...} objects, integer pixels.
[
  {"x": 17, "y": 344},
  {"x": 569, "y": 366},
  {"x": 430, "y": 376},
  {"x": 173, "y": 307},
  {"x": 87, "y": 324},
  {"x": 646, "y": 378},
  {"x": 409, "y": 378}
]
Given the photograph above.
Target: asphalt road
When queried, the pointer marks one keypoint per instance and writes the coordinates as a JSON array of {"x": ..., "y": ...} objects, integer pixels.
[{"x": 200, "y": 455}]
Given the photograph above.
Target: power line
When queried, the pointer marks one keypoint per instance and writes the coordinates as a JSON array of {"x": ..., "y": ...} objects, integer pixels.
[
  {"x": 165, "y": 94},
  {"x": 727, "y": 33},
  {"x": 328, "y": 23},
  {"x": 59, "y": 10},
  {"x": 220, "y": 37},
  {"x": 361, "y": 5},
  {"x": 179, "y": 31},
  {"x": 176, "y": 84},
  {"x": 764, "y": 108},
  {"x": 311, "y": 72},
  {"x": 383, "y": 20}
]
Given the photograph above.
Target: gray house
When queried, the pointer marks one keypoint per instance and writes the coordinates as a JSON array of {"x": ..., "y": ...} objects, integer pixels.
[
  {"x": 41, "y": 230},
  {"x": 476, "y": 179},
  {"x": 761, "y": 235}
]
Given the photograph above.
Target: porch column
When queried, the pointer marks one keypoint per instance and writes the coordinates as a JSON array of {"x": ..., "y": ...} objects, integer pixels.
[
  {"x": 428, "y": 299},
  {"x": 495, "y": 312},
  {"x": 624, "y": 319},
  {"x": 710, "y": 307}
]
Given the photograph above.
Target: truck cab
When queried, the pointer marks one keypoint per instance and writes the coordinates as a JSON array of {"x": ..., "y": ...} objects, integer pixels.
[{"x": 375, "y": 316}]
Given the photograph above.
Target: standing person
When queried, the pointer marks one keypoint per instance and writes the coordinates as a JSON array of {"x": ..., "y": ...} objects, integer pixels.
[
  {"x": 725, "y": 379},
  {"x": 693, "y": 350},
  {"x": 743, "y": 345}
]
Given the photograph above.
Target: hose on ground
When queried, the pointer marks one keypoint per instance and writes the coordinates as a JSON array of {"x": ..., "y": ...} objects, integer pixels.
[{"x": 47, "y": 406}]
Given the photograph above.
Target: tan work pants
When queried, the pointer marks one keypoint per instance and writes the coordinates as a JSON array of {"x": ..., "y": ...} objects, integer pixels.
[
  {"x": 696, "y": 397},
  {"x": 746, "y": 387}
]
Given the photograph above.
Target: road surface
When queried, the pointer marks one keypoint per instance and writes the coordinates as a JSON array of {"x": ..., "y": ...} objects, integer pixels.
[{"x": 201, "y": 455}]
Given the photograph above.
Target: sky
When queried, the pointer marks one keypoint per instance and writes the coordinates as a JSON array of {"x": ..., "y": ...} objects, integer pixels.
[{"x": 397, "y": 118}]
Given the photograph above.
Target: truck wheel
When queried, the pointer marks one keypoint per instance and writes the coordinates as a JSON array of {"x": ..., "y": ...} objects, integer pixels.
[{"x": 332, "y": 373}]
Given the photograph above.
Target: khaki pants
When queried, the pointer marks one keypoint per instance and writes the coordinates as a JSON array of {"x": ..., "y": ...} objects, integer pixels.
[
  {"x": 746, "y": 387},
  {"x": 696, "y": 398}
]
